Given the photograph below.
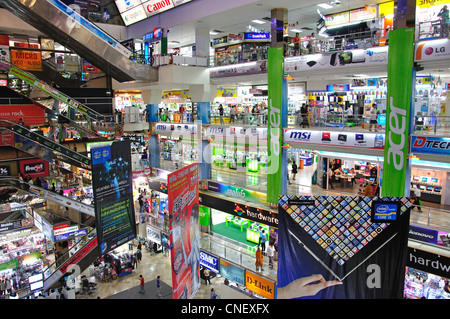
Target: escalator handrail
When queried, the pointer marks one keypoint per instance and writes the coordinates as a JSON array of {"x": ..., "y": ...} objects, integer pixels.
[
  {"x": 84, "y": 159},
  {"x": 72, "y": 103},
  {"x": 24, "y": 186}
]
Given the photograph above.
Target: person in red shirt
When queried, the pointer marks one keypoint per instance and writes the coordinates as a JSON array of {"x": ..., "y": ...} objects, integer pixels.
[
  {"x": 141, "y": 290},
  {"x": 296, "y": 41}
]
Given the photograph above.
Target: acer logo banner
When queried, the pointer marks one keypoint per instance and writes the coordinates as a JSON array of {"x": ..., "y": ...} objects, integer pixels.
[{"x": 401, "y": 58}]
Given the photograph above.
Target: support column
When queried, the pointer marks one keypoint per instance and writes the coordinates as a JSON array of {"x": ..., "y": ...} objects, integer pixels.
[
  {"x": 154, "y": 151},
  {"x": 204, "y": 159},
  {"x": 152, "y": 112},
  {"x": 202, "y": 95},
  {"x": 202, "y": 42}
]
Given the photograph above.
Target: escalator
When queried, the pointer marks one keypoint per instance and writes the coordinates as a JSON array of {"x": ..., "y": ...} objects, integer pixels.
[
  {"x": 83, "y": 37},
  {"x": 15, "y": 183},
  {"x": 42, "y": 147},
  {"x": 44, "y": 95}
]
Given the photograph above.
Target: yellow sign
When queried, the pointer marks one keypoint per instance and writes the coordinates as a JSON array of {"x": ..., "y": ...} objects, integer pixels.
[
  {"x": 26, "y": 60},
  {"x": 431, "y": 3},
  {"x": 386, "y": 9},
  {"x": 259, "y": 285}
]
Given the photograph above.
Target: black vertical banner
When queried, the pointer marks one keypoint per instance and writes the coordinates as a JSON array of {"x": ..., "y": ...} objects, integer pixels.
[{"x": 113, "y": 195}]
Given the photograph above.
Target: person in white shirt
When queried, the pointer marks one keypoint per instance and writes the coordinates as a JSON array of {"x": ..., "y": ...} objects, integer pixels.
[
  {"x": 270, "y": 251},
  {"x": 417, "y": 194},
  {"x": 373, "y": 117}
]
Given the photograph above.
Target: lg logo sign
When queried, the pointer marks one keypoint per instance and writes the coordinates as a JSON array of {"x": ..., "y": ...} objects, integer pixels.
[{"x": 430, "y": 50}]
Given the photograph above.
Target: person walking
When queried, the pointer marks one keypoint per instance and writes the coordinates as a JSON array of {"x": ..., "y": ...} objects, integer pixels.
[
  {"x": 270, "y": 252},
  {"x": 296, "y": 41},
  {"x": 141, "y": 284},
  {"x": 158, "y": 287},
  {"x": 444, "y": 15},
  {"x": 416, "y": 195},
  {"x": 181, "y": 110},
  {"x": 259, "y": 259},
  {"x": 232, "y": 113},
  {"x": 373, "y": 118},
  {"x": 141, "y": 203},
  {"x": 294, "y": 170},
  {"x": 263, "y": 242},
  {"x": 138, "y": 256},
  {"x": 304, "y": 114},
  {"x": 221, "y": 114},
  {"x": 206, "y": 273}
]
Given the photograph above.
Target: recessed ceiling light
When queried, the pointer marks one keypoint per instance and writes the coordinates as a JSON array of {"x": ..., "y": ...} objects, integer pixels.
[
  {"x": 258, "y": 21},
  {"x": 325, "y": 5},
  {"x": 213, "y": 33},
  {"x": 296, "y": 30}
]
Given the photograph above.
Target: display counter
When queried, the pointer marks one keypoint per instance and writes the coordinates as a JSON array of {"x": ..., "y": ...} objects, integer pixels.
[
  {"x": 237, "y": 221},
  {"x": 253, "y": 232}
]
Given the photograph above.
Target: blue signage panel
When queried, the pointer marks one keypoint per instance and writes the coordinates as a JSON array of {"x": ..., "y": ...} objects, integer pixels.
[
  {"x": 423, "y": 234},
  {"x": 384, "y": 211},
  {"x": 430, "y": 145},
  {"x": 256, "y": 35},
  {"x": 209, "y": 261}
]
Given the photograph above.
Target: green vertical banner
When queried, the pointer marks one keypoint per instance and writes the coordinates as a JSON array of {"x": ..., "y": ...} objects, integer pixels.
[
  {"x": 400, "y": 69},
  {"x": 275, "y": 127}
]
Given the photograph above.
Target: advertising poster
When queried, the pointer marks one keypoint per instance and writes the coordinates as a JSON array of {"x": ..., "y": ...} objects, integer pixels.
[
  {"x": 275, "y": 135},
  {"x": 113, "y": 195},
  {"x": 184, "y": 231},
  {"x": 27, "y": 60},
  {"x": 33, "y": 168},
  {"x": 329, "y": 247},
  {"x": 430, "y": 145},
  {"x": 401, "y": 56}
]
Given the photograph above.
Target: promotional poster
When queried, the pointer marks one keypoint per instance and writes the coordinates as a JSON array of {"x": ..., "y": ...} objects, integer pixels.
[
  {"x": 344, "y": 247},
  {"x": 113, "y": 195},
  {"x": 184, "y": 231}
]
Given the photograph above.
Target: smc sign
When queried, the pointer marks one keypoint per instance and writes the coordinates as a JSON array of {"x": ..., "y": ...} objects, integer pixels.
[{"x": 209, "y": 261}]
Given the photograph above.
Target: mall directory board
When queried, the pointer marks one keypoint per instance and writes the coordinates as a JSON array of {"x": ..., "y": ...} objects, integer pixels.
[{"x": 113, "y": 195}]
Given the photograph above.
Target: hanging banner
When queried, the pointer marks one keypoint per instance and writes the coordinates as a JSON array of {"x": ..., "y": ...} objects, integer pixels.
[
  {"x": 184, "y": 231},
  {"x": 401, "y": 58},
  {"x": 113, "y": 195},
  {"x": 329, "y": 248},
  {"x": 275, "y": 135}
]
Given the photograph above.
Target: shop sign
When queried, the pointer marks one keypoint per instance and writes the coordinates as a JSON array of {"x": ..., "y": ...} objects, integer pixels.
[
  {"x": 367, "y": 13},
  {"x": 134, "y": 15},
  {"x": 209, "y": 261},
  {"x": 256, "y": 35},
  {"x": 153, "y": 7},
  {"x": 5, "y": 170},
  {"x": 430, "y": 145},
  {"x": 256, "y": 67},
  {"x": 65, "y": 230},
  {"x": 238, "y": 193},
  {"x": 153, "y": 234},
  {"x": 259, "y": 285},
  {"x": 124, "y": 5},
  {"x": 34, "y": 168},
  {"x": 347, "y": 139},
  {"x": 341, "y": 59},
  {"x": 71, "y": 234},
  {"x": 16, "y": 225},
  {"x": 432, "y": 50},
  {"x": 431, "y": 263},
  {"x": 336, "y": 19},
  {"x": 29, "y": 113},
  {"x": 232, "y": 272},
  {"x": 424, "y": 235},
  {"x": 26, "y": 60}
]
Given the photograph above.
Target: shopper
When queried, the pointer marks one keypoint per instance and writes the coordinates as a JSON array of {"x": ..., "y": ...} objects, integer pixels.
[
  {"x": 138, "y": 256},
  {"x": 294, "y": 169},
  {"x": 330, "y": 177},
  {"x": 270, "y": 251},
  {"x": 141, "y": 285},
  {"x": 141, "y": 203},
  {"x": 259, "y": 259},
  {"x": 206, "y": 273},
  {"x": 158, "y": 287},
  {"x": 368, "y": 190},
  {"x": 221, "y": 114},
  {"x": 444, "y": 15},
  {"x": 373, "y": 117},
  {"x": 296, "y": 41},
  {"x": 304, "y": 114},
  {"x": 232, "y": 113},
  {"x": 263, "y": 242},
  {"x": 181, "y": 110},
  {"x": 213, "y": 295},
  {"x": 416, "y": 196}
]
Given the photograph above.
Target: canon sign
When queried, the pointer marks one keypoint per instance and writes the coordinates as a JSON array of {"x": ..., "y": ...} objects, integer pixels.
[
  {"x": 154, "y": 7},
  {"x": 397, "y": 122}
]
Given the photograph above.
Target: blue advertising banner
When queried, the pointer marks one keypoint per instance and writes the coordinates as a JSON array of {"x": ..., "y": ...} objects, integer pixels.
[
  {"x": 328, "y": 248},
  {"x": 423, "y": 234},
  {"x": 209, "y": 261},
  {"x": 430, "y": 145},
  {"x": 232, "y": 272},
  {"x": 113, "y": 195}
]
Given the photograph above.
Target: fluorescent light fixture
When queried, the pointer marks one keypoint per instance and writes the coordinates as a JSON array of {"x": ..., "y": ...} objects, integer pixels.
[
  {"x": 213, "y": 33},
  {"x": 258, "y": 21},
  {"x": 296, "y": 30},
  {"x": 325, "y": 5}
]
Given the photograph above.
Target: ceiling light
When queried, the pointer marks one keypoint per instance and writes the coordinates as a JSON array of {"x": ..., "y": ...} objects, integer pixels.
[
  {"x": 258, "y": 21},
  {"x": 213, "y": 32},
  {"x": 325, "y": 5},
  {"x": 296, "y": 30}
]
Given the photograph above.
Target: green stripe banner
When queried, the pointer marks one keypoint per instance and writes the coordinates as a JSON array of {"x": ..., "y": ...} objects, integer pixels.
[
  {"x": 400, "y": 69},
  {"x": 275, "y": 96}
]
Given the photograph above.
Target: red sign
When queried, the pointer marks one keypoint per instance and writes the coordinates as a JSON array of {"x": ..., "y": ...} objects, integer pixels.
[
  {"x": 184, "y": 231},
  {"x": 34, "y": 168},
  {"x": 79, "y": 255},
  {"x": 29, "y": 113},
  {"x": 7, "y": 139}
]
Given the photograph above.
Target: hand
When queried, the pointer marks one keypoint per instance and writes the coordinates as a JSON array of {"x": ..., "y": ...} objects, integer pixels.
[{"x": 306, "y": 286}]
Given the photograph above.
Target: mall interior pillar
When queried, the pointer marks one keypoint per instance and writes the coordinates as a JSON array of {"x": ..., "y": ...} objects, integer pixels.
[
  {"x": 152, "y": 98},
  {"x": 154, "y": 151},
  {"x": 205, "y": 159},
  {"x": 202, "y": 42},
  {"x": 202, "y": 95},
  {"x": 279, "y": 16}
]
